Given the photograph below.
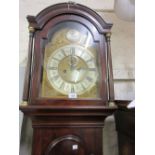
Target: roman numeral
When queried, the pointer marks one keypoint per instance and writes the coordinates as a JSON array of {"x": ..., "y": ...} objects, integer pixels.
[
  {"x": 63, "y": 52},
  {"x": 72, "y": 51},
  {"x": 90, "y": 60},
  {"x": 72, "y": 89},
  {"x": 55, "y": 59},
  {"x": 52, "y": 68},
  {"x": 83, "y": 86},
  {"x": 62, "y": 85},
  {"x": 55, "y": 77},
  {"x": 92, "y": 69},
  {"x": 89, "y": 79}
]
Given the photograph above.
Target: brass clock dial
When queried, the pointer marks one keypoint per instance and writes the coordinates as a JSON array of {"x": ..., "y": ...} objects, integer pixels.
[
  {"x": 72, "y": 69},
  {"x": 71, "y": 63}
]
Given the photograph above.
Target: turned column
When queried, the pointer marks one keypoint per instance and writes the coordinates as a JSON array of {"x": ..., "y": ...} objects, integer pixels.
[
  {"x": 109, "y": 68},
  {"x": 29, "y": 65}
]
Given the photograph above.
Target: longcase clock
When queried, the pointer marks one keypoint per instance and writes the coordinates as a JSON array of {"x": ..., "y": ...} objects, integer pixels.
[{"x": 68, "y": 82}]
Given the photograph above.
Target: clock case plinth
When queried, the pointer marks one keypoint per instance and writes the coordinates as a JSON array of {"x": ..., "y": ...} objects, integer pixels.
[{"x": 68, "y": 127}]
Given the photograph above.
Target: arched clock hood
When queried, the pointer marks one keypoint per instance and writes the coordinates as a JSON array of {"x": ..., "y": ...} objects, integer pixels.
[{"x": 49, "y": 13}]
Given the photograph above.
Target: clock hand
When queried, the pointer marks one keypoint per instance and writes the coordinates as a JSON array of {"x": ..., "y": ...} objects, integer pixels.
[
  {"x": 80, "y": 68},
  {"x": 71, "y": 59},
  {"x": 71, "y": 63}
]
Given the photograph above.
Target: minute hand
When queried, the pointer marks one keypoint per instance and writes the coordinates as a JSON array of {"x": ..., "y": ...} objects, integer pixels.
[
  {"x": 88, "y": 69},
  {"x": 72, "y": 56}
]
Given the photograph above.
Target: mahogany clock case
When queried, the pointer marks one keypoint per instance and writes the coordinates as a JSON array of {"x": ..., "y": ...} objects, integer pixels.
[{"x": 63, "y": 125}]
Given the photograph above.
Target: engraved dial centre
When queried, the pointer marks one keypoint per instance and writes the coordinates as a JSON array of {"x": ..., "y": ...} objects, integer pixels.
[{"x": 72, "y": 69}]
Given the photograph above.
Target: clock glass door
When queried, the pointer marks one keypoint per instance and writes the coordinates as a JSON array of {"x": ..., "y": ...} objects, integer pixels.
[{"x": 71, "y": 63}]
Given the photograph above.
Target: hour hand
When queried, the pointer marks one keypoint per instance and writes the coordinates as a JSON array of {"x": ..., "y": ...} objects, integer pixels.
[{"x": 81, "y": 68}]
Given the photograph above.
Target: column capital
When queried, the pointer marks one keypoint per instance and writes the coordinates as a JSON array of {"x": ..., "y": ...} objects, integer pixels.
[
  {"x": 31, "y": 29},
  {"x": 24, "y": 103},
  {"x": 108, "y": 35}
]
